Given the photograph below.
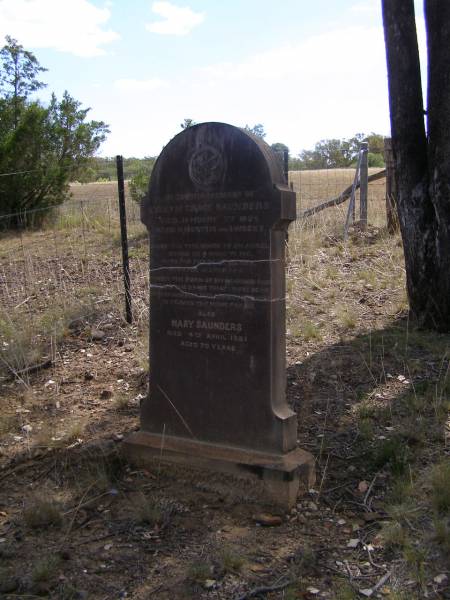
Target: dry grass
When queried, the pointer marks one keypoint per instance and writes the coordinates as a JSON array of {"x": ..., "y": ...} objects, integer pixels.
[{"x": 67, "y": 275}]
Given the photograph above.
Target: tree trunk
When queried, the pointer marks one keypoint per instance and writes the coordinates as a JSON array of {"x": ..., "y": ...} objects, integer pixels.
[
  {"x": 437, "y": 14},
  {"x": 391, "y": 188},
  {"x": 422, "y": 165}
]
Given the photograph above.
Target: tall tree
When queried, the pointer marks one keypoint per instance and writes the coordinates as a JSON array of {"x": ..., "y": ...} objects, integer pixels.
[
  {"x": 18, "y": 74},
  {"x": 279, "y": 147},
  {"x": 422, "y": 157},
  {"x": 257, "y": 129},
  {"x": 41, "y": 148}
]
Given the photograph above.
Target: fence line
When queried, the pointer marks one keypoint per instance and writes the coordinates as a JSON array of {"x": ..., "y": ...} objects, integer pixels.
[
  {"x": 70, "y": 271},
  {"x": 343, "y": 196}
]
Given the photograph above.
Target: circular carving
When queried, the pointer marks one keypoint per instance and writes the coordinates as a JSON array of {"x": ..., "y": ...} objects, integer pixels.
[{"x": 206, "y": 167}]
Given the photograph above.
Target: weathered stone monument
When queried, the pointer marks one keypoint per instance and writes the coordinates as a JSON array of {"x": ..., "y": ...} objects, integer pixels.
[{"x": 217, "y": 211}]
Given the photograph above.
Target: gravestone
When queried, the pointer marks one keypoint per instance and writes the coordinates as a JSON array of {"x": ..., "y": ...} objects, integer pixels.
[{"x": 217, "y": 212}]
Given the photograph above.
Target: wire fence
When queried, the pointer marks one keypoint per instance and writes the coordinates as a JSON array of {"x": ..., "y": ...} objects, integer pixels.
[{"x": 68, "y": 272}]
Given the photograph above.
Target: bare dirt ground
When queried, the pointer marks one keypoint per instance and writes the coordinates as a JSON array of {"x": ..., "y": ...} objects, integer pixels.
[{"x": 372, "y": 395}]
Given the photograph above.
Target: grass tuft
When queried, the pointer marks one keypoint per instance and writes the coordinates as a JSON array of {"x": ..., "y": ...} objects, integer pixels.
[
  {"x": 42, "y": 514},
  {"x": 230, "y": 561},
  {"x": 394, "y": 535},
  {"x": 45, "y": 569},
  {"x": 440, "y": 486},
  {"x": 199, "y": 571}
]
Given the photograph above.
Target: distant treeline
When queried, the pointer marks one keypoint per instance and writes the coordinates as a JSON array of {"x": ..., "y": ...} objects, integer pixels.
[
  {"x": 339, "y": 153},
  {"x": 327, "y": 154},
  {"x": 104, "y": 169}
]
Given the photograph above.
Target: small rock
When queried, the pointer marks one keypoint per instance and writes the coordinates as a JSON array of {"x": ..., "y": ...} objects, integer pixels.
[
  {"x": 440, "y": 579},
  {"x": 209, "y": 584},
  {"x": 27, "y": 428},
  {"x": 363, "y": 486},
  {"x": 312, "y": 590},
  {"x": 367, "y": 592},
  {"x": 268, "y": 520},
  {"x": 106, "y": 394},
  {"x": 98, "y": 335},
  {"x": 313, "y": 506},
  {"x": 353, "y": 543},
  {"x": 341, "y": 522}
]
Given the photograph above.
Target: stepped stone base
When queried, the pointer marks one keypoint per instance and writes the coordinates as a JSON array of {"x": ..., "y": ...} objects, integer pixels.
[{"x": 279, "y": 477}]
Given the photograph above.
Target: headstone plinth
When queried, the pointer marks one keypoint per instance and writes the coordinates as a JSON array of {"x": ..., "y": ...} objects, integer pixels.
[{"x": 217, "y": 211}]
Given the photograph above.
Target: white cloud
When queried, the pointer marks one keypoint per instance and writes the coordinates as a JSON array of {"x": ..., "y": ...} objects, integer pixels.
[
  {"x": 73, "y": 26},
  {"x": 176, "y": 20},
  {"x": 369, "y": 7},
  {"x": 303, "y": 91},
  {"x": 326, "y": 56},
  {"x": 139, "y": 85}
]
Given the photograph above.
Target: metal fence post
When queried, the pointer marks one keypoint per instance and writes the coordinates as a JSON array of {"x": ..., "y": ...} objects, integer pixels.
[
  {"x": 124, "y": 238},
  {"x": 363, "y": 185}
]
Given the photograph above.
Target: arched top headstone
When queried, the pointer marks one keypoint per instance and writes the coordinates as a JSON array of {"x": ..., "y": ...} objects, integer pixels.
[{"x": 213, "y": 158}]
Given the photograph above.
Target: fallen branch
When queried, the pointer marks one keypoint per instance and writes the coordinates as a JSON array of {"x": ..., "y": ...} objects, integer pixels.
[
  {"x": 13, "y": 374},
  {"x": 345, "y": 195},
  {"x": 265, "y": 589},
  {"x": 366, "y": 497}
]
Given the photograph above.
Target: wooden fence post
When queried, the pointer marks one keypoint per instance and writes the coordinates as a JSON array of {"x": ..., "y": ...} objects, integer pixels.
[
  {"x": 286, "y": 166},
  {"x": 391, "y": 187},
  {"x": 352, "y": 203},
  {"x": 363, "y": 186}
]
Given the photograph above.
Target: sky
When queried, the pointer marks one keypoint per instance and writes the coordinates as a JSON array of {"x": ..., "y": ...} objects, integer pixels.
[{"x": 305, "y": 70}]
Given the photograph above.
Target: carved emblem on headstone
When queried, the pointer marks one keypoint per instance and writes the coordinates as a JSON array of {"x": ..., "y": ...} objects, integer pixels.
[{"x": 206, "y": 167}]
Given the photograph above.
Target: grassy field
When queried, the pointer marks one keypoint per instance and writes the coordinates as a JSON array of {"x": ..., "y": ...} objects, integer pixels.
[{"x": 372, "y": 394}]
